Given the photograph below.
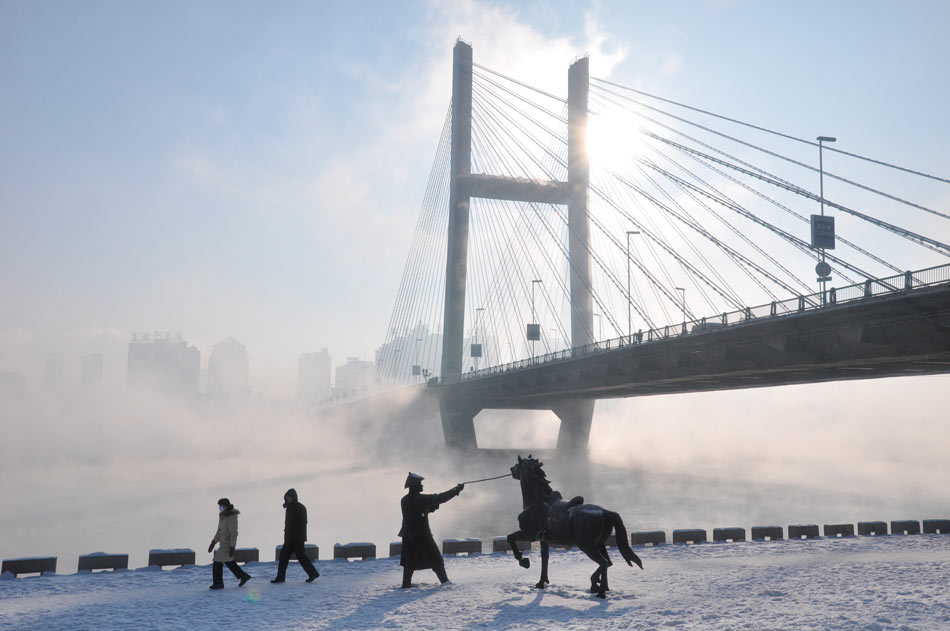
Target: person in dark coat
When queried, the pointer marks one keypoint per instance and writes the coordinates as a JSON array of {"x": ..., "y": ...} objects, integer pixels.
[
  {"x": 419, "y": 550},
  {"x": 295, "y": 534},
  {"x": 226, "y": 536}
]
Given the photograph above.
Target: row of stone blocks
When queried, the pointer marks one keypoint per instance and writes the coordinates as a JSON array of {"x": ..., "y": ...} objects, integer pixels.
[{"x": 363, "y": 550}]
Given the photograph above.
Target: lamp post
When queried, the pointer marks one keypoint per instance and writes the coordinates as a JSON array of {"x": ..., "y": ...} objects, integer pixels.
[
  {"x": 682, "y": 291},
  {"x": 534, "y": 317},
  {"x": 822, "y": 269},
  {"x": 477, "y": 312},
  {"x": 629, "y": 298},
  {"x": 416, "y": 367}
]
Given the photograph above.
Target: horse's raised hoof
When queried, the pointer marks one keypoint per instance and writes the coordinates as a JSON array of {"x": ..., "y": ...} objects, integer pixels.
[{"x": 525, "y": 563}]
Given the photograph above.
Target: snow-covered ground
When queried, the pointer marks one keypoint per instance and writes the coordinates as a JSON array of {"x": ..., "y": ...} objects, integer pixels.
[{"x": 867, "y": 583}]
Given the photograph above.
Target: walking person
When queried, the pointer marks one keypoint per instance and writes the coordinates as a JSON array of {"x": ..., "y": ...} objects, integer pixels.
[
  {"x": 226, "y": 537},
  {"x": 295, "y": 534},
  {"x": 419, "y": 550}
]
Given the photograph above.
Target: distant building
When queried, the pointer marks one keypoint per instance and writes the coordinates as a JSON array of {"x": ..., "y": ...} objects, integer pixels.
[
  {"x": 313, "y": 376},
  {"x": 227, "y": 370},
  {"x": 354, "y": 378},
  {"x": 90, "y": 370},
  {"x": 53, "y": 373},
  {"x": 12, "y": 385},
  {"x": 164, "y": 364},
  {"x": 408, "y": 358}
]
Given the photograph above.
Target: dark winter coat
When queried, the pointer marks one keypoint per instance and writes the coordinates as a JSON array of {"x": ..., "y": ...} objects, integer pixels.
[
  {"x": 419, "y": 550},
  {"x": 295, "y": 519}
]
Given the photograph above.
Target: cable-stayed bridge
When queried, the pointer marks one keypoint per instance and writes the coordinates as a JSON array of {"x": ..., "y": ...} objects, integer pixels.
[{"x": 615, "y": 243}]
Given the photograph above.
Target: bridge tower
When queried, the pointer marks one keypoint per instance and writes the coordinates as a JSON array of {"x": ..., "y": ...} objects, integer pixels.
[{"x": 458, "y": 413}]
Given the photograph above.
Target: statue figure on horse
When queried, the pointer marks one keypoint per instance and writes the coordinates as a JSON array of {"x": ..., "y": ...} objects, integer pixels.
[{"x": 550, "y": 519}]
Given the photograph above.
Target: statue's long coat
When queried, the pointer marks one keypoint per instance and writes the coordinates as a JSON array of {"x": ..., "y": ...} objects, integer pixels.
[{"x": 419, "y": 550}]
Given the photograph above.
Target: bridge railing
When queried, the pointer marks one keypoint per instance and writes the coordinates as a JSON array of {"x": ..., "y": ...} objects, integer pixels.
[{"x": 869, "y": 289}]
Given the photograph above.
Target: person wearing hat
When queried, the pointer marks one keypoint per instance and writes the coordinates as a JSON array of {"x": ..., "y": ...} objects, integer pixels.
[
  {"x": 419, "y": 550},
  {"x": 226, "y": 536},
  {"x": 295, "y": 534}
]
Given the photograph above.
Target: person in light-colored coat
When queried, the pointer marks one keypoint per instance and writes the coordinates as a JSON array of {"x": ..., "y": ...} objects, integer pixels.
[{"x": 226, "y": 537}]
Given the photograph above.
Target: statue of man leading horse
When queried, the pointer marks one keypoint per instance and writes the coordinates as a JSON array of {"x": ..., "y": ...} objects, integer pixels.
[{"x": 552, "y": 520}]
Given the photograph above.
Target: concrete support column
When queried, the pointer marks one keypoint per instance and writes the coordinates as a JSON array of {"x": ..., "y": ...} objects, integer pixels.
[
  {"x": 576, "y": 417},
  {"x": 578, "y": 182},
  {"x": 458, "y": 423},
  {"x": 457, "y": 259}
]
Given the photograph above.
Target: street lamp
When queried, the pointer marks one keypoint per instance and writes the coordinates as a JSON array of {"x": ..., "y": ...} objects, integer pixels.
[
  {"x": 823, "y": 269},
  {"x": 476, "y": 347},
  {"x": 629, "y": 298},
  {"x": 682, "y": 291},
  {"x": 534, "y": 329},
  {"x": 416, "y": 368}
]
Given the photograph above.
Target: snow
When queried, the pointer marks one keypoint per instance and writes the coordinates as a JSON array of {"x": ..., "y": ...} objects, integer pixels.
[{"x": 861, "y": 583}]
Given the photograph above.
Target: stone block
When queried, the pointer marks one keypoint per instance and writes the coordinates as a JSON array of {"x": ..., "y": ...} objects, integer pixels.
[
  {"x": 936, "y": 526},
  {"x": 310, "y": 549},
  {"x": 103, "y": 561},
  {"x": 648, "y": 538},
  {"x": 359, "y": 550},
  {"x": 905, "y": 527},
  {"x": 802, "y": 531},
  {"x": 838, "y": 530},
  {"x": 500, "y": 544},
  {"x": 395, "y": 549},
  {"x": 247, "y": 555},
  {"x": 871, "y": 528},
  {"x": 29, "y": 565},
  {"x": 461, "y": 546},
  {"x": 690, "y": 535},
  {"x": 761, "y": 533},
  {"x": 729, "y": 534},
  {"x": 177, "y": 556}
]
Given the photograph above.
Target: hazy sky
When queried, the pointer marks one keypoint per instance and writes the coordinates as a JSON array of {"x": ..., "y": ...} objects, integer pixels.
[{"x": 255, "y": 170}]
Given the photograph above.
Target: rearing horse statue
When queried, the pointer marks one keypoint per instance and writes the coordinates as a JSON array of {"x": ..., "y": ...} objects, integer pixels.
[{"x": 550, "y": 519}]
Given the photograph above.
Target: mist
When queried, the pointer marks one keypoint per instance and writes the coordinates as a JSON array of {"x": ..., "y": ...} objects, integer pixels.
[{"x": 134, "y": 470}]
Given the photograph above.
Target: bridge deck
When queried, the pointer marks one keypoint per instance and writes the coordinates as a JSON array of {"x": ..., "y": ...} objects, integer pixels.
[{"x": 898, "y": 334}]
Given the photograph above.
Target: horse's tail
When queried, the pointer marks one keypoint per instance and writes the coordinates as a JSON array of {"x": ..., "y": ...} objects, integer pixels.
[{"x": 623, "y": 543}]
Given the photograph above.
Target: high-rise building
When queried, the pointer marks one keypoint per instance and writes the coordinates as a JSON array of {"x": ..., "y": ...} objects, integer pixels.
[
  {"x": 409, "y": 358},
  {"x": 53, "y": 373},
  {"x": 313, "y": 376},
  {"x": 161, "y": 363},
  {"x": 354, "y": 378},
  {"x": 12, "y": 385},
  {"x": 90, "y": 370},
  {"x": 227, "y": 370}
]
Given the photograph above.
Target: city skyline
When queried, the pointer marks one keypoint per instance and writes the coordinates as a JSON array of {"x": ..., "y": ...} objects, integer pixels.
[{"x": 262, "y": 176}]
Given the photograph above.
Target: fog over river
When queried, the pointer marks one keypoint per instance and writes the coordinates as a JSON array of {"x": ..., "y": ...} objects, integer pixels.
[{"x": 85, "y": 473}]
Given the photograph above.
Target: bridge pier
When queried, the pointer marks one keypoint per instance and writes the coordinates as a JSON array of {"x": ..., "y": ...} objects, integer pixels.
[
  {"x": 458, "y": 423},
  {"x": 576, "y": 417}
]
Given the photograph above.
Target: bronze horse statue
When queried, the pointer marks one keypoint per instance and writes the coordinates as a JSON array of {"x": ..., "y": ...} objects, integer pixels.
[{"x": 550, "y": 519}]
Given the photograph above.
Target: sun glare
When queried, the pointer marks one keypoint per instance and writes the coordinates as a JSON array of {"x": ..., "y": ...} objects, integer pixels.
[{"x": 613, "y": 139}]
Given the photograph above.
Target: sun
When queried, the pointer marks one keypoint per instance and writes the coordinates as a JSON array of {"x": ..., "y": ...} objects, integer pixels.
[{"x": 614, "y": 139}]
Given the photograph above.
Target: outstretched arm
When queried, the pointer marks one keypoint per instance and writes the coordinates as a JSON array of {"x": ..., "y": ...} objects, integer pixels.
[{"x": 433, "y": 501}]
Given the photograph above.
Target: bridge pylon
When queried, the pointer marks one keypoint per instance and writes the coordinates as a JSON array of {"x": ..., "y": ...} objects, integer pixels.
[{"x": 458, "y": 414}]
